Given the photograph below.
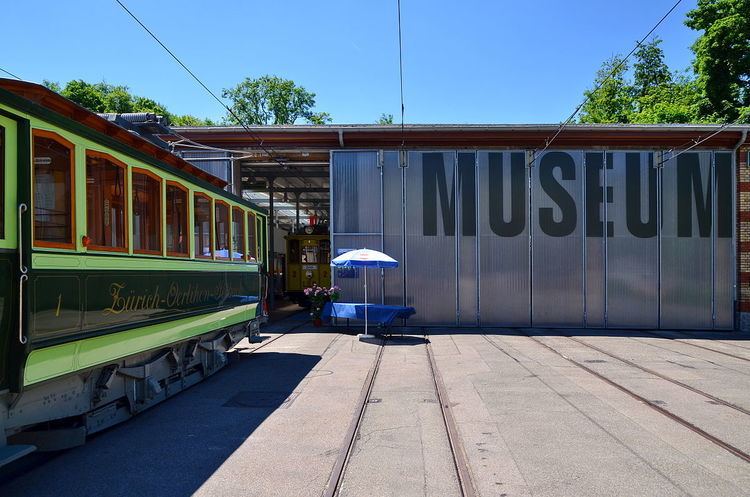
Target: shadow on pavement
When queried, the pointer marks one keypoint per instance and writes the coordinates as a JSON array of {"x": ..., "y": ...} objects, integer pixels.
[{"x": 173, "y": 448}]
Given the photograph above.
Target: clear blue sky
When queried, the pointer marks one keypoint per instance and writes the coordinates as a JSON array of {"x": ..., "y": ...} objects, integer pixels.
[{"x": 464, "y": 61}]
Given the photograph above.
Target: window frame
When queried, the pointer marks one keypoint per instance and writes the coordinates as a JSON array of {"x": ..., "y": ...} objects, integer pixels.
[
  {"x": 254, "y": 248},
  {"x": 125, "y": 194},
  {"x": 51, "y": 135},
  {"x": 3, "y": 182},
  {"x": 189, "y": 235},
  {"x": 243, "y": 222},
  {"x": 229, "y": 230},
  {"x": 162, "y": 211},
  {"x": 196, "y": 255}
]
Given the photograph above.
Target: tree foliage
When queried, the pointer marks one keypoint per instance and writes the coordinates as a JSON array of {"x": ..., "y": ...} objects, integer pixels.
[
  {"x": 718, "y": 89},
  {"x": 654, "y": 95},
  {"x": 104, "y": 97},
  {"x": 722, "y": 55},
  {"x": 650, "y": 71},
  {"x": 272, "y": 100},
  {"x": 611, "y": 99},
  {"x": 385, "y": 118}
]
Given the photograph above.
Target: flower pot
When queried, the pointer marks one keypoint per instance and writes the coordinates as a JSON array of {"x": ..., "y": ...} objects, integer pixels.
[{"x": 317, "y": 322}]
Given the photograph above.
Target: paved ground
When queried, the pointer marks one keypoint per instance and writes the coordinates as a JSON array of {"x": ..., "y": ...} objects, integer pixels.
[{"x": 531, "y": 421}]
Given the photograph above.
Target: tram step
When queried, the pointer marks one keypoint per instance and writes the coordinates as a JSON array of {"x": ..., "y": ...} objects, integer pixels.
[{"x": 10, "y": 453}]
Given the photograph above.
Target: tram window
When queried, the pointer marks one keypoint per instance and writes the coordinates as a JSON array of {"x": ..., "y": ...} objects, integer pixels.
[
  {"x": 325, "y": 252},
  {"x": 202, "y": 225},
  {"x": 53, "y": 190},
  {"x": 293, "y": 256},
  {"x": 251, "y": 255},
  {"x": 2, "y": 182},
  {"x": 146, "y": 213},
  {"x": 238, "y": 234},
  {"x": 221, "y": 220},
  {"x": 105, "y": 202},
  {"x": 310, "y": 253},
  {"x": 177, "y": 220}
]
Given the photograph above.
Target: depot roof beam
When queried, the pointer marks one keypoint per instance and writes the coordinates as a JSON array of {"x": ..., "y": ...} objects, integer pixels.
[{"x": 283, "y": 174}]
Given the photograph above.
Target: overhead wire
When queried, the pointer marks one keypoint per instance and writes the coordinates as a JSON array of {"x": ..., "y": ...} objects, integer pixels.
[
  {"x": 10, "y": 73},
  {"x": 252, "y": 133},
  {"x": 694, "y": 143},
  {"x": 548, "y": 141},
  {"x": 401, "y": 73}
]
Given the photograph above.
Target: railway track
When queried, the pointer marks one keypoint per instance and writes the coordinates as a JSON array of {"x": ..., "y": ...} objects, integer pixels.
[
  {"x": 688, "y": 335},
  {"x": 674, "y": 417},
  {"x": 652, "y": 372},
  {"x": 460, "y": 461},
  {"x": 269, "y": 342},
  {"x": 728, "y": 354}
]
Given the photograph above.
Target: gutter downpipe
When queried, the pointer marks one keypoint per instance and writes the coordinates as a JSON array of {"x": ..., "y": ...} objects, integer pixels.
[{"x": 341, "y": 138}]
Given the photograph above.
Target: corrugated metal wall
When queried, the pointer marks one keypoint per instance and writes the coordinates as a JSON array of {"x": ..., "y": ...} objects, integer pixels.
[{"x": 571, "y": 239}]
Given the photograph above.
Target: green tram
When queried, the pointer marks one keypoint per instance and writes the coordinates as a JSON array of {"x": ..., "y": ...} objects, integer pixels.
[{"x": 126, "y": 273}]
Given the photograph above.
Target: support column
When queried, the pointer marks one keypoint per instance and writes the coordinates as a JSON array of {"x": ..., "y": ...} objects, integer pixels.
[
  {"x": 296, "y": 214},
  {"x": 271, "y": 247}
]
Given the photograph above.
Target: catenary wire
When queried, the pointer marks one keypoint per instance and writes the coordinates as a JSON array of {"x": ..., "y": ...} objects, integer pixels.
[
  {"x": 401, "y": 72},
  {"x": 258, "y": 139},
  {"x": 10, "y": 73},
  {"x": 562, "y": 126},
  {"x": 697, "y": 142}
]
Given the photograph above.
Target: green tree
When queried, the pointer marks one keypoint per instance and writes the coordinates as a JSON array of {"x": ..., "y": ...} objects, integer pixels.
[
  {"x": 611, "y": 99},
  {"x": 385, "y": 118},
  {"x": 104, "y": 97},
  {"x": 678, "y": 101},
  {"x": 84, "y": 94},
  {"x": 722, "y": 56},
  {"x": 649, "y": 70},
  {"x": 272, "y": 100},
  {"x": 188, "y": 120}
]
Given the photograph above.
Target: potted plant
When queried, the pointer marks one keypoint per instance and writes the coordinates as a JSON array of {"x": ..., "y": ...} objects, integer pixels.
[{"x": 318, "y": 296}]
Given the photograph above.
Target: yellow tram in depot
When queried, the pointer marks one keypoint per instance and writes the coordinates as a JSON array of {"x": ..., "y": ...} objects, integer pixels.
[{"x": 308, "y": 261}]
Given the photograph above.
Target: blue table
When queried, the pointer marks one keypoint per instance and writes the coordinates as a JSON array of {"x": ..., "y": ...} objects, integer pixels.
[{"x": 383, "y": 315}]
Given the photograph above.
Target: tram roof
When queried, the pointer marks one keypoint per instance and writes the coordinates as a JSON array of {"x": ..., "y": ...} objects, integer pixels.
[{"x": 45, "y": 98}]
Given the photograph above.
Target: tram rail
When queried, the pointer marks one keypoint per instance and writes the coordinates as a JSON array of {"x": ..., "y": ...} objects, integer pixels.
[
  {"x": 674, "y": 417},
  {"x": 680, "y": 340},
  {"x": 674, "y": 381},
  {"x": 460, "y": 461}
]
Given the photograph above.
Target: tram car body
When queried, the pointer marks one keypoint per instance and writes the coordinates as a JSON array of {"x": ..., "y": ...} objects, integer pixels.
[
  {"x": 308, "y": 261},
  {"x": 126, "y": 273}
]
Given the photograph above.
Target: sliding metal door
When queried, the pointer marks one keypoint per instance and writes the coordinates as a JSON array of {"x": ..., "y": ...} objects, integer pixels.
[
  {"x": 557, "y": 240},
  {"x": 633, "y": 242},
  {"x": 430, "y": 257},
  {"x": 686, "y": 248},
  {"x": 504, "y": 270}
]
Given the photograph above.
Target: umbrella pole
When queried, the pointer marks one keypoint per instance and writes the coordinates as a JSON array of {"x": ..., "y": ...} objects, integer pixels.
[{"x": 366, "y": 334}]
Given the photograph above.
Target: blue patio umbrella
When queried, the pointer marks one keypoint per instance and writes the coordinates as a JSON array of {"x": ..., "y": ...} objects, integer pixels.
[{"x": 364, "y": 258}]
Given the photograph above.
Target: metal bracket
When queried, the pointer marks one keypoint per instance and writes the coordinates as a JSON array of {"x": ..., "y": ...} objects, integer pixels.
[
  {"x": 402, "y": 159},
  {"x": 530, "y": 158}
]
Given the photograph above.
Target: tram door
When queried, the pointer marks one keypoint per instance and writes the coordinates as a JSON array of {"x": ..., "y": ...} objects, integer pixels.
[{"x": 8, "y": 242}]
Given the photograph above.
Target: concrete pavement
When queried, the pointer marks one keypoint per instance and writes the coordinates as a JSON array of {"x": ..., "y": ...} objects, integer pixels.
[{"x": 530, "y": 421}]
